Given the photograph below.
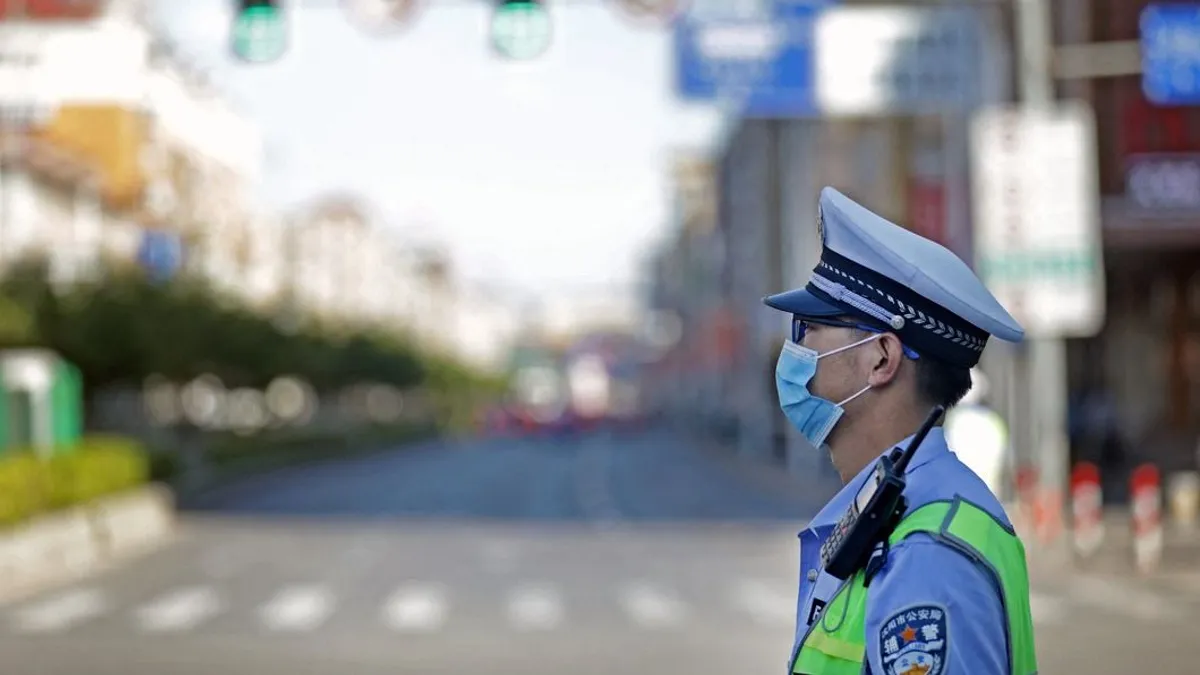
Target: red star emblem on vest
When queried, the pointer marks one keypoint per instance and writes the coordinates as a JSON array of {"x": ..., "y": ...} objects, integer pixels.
[{"x": 908, "y": 634}]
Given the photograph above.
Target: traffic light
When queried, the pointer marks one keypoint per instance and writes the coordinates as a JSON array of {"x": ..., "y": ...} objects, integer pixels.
[
  {"x": 520, "y": 29},
  {"x": 259, "y": 31}
]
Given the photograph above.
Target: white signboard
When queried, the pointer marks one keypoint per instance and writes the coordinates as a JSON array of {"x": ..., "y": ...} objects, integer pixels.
[
  {"x": 878, "y": 60},
  {"x": 1037, "y": 202},
  {"x": 45, "y": 67}
]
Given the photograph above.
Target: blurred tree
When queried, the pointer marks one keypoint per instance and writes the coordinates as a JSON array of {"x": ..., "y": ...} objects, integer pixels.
[
  {"x": 123, "y": 327},
  {"x": 17, "y": 326}
]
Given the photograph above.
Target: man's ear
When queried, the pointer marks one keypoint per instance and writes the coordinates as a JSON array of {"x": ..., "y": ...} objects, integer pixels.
[{"x": 886, "y": 354}]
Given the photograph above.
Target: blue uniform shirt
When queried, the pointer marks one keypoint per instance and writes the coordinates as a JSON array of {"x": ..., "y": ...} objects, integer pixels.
[{"x": 921, "y": 574}]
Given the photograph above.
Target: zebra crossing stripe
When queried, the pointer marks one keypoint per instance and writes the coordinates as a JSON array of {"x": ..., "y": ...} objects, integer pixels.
[
  {"x": 535, "y": 607},
  {"x": 179, "y": 610},
  {"x": 1046, "y": 609},
  {"x": 767, "y": 604},
  {"x": 416, "y": 608},
  {"x": 297, "y": 608},
  {"x": 425, "y": 607},
  {"x": 61, "y": 611},
  {"x": 650, "y": 607}
]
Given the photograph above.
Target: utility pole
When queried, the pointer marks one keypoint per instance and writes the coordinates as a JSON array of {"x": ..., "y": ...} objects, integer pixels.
[{"x": 1040, "y": 368}]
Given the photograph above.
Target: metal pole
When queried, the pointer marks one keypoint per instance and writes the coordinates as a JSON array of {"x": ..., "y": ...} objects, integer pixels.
[
  {"x": 1033, "y": 21},
  {"x": 1041, "y": 369}
]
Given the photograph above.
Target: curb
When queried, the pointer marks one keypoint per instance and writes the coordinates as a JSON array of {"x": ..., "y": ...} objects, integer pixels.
[{"x": 58, "y": 548}]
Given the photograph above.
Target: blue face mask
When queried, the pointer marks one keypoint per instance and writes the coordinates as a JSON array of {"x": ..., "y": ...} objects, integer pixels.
[{"x": 813, "y": 417}]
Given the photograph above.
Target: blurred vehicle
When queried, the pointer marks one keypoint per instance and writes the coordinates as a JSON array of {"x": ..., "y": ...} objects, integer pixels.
[{"x": 591, "y": 385}]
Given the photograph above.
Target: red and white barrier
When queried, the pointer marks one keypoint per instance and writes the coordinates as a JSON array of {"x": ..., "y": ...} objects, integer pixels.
[
  {"x": 1145, "y": 491},
  {"x": 1048, "y": 514},
  {"x": 1087, "y": 509},
  {"x": 1041, "y": 506},
  {"x": 1026, "y": 483}
]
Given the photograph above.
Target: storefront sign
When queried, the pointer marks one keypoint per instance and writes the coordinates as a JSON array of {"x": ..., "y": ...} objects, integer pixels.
[
  {"x": 1036, "y": 214},
  {"x": 1163, "y": 182},
  {"x": 927, "y": 209}
]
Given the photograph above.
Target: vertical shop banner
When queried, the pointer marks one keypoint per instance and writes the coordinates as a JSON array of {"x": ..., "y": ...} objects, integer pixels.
[{"x": 927, "y": 209}]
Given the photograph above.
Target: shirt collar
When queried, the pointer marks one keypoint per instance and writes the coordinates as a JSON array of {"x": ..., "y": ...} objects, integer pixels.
[{"x": 933, "y": 446}]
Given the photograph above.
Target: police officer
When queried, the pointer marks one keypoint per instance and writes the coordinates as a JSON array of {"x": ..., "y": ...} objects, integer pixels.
[{"x": 889, "y": 326}]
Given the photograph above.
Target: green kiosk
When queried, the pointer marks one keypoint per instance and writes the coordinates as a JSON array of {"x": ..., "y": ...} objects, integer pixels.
[{"x": 41, "y": 402}]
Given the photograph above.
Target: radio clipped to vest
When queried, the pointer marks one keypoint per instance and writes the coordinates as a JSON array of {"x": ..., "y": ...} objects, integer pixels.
[{"x": 874, "y": 512}]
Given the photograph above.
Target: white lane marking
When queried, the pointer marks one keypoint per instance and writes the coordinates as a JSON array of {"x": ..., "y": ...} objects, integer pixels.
[
  {"x": 61, "y": 611},
  {"x": 297, "y": 608},
  {"x": 180, "y": 610},
  {"x": 650, "y": 607},
  {"x": 767, "y": 603},
  {"x": 416, "y": 608},
  {"x": 535, "y": 608},
  {"x": 1046, "y": 609},
  {"x": 1117, "y": 597}
]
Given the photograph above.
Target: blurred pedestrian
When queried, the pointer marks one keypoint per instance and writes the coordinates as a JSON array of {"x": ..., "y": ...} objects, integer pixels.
[{"x": 979, "y": 437}]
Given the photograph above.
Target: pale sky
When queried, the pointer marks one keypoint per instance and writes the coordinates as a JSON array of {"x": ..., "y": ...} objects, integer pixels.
[{"x": 546, "y": 175}]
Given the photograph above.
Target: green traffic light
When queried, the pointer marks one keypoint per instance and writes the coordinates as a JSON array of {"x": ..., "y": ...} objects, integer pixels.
[
  {"x": 521, "y": 29},
  {"x": 260, "y": 34}
]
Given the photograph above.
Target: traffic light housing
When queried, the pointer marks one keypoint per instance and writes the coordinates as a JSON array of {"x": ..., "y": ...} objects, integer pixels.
[
  {"x": 259, "y": 31},
  {"x": 520, "y": 29}
]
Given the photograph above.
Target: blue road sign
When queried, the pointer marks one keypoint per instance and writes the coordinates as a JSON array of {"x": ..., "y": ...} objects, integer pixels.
[
  {"x": 762, "y": 63},
  {"x": 1171, "y": 53},
  {"x": 160, "y": 254}
]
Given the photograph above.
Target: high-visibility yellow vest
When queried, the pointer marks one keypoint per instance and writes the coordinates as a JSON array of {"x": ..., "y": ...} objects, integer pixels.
[{"x": 836, "y": 643}]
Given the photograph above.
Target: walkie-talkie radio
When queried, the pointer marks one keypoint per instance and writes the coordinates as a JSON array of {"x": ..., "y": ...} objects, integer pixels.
[{"x": 875, "y": 511}]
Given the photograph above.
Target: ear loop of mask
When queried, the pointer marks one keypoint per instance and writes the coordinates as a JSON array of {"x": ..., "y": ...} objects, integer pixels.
[{"x": 852, "y": 345}]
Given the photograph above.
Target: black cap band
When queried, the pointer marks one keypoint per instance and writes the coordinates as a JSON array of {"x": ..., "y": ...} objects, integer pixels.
[{"x": 928, "y": 328}]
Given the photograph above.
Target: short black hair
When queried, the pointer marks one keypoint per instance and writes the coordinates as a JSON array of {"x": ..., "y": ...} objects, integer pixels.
[{"x": 939, "y": 383}]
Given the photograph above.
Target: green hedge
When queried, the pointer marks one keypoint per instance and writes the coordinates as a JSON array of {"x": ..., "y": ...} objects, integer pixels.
[
  {"x": 122, "y": 327},
  {"x": 99, "y": 466}
]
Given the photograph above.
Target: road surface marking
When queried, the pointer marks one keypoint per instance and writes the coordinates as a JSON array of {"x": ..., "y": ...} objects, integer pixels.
[
  {"x": 650, "y": 607},
  {"x": 297, "y": 608},
  {"x": 1046, "y": 609},
  {"x": 1119, "y": 598},
  {"x": 416, "y": 608},
  {"x": 767, "y": 603},
  {"x": 61, "y": 611},
  {"x": 535, "y": 608},
  {"x": 180, "y": 610}
]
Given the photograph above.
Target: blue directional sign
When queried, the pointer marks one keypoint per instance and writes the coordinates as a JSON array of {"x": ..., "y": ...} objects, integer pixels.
[
  {"x": 760, "y": 62},
  {"x": 1171, "y": 53},
  {"x": 160, "y": 254}
]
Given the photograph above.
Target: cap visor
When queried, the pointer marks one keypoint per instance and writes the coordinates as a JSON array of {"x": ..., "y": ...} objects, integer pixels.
[{"x": 802, "y": 303}]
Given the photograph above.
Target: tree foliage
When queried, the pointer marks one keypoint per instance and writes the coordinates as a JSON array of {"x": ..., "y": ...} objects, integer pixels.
[{"x": 123, "y": 327}]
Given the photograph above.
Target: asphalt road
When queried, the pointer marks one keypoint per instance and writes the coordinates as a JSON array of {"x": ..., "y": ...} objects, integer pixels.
[{"x": 635, "y": 554}]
